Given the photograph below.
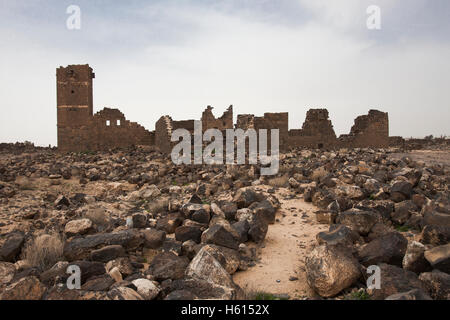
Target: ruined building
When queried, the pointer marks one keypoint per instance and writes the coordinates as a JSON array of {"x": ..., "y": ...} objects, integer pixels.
[{"x": 79, "y": 129}]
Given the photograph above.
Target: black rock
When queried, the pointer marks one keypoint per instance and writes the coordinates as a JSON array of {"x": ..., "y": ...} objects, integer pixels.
[
  {"x": 258, "y": 230},
  {"x": 266, "y": 211},
  {"x": 389, "y": 248},
  {"x": 153, "y": 238},
  {"x": 222, "y": 236},
  {"x": 185, "y": 233},
  {"x": 12, "y": 247},
  {"x": 108, "y": 253},
  {"x": 167, "y": 265},
  {"x": 201, "y": 216},
  {"x": 435, "y": 235},
  {"x": 242, "y": 227}
]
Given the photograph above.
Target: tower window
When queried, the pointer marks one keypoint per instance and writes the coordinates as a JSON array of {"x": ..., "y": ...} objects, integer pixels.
[
  {"x": 108, "y": 123},
  {"x": 73, "y": 91},
  {"x": 118, "y": 122}
]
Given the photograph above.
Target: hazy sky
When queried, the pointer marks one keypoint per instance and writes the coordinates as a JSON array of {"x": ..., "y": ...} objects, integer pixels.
[{"x": 153, "y": 58}]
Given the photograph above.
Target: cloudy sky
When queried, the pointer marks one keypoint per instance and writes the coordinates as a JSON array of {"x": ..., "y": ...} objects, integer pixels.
[{"x": 153, "y": 58}]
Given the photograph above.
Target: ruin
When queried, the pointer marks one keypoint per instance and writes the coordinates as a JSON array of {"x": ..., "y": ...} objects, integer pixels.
[{"x": 79, "y": 129}]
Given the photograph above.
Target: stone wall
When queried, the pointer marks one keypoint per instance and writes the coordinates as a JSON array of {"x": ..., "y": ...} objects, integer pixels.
[
  {"x": 370, "y": 130},
  {"x": 80, "y": 130},
  {"x": 222, "y": 123},
  {"x": 317, "y": 131}
]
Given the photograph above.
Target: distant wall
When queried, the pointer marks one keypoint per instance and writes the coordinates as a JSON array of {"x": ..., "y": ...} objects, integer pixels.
[
  {"x": 370, "y": 130},
  {"x": 80, "y": 130}
]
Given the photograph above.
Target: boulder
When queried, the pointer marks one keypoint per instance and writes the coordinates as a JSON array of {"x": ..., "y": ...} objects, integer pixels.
[
  {"x": 403, "y": 211},
  {"x": 185, "y": 233},
  {"x": 203, "y": 289},
  {"x": 322, "y": 198},
  {"x": 437, "y": 283},
  {"x": 147, "y": 289},
  {"x": 98, "y": 283},
  {"x": 436, "y": 218},
  {"x": 401, "y": 191},
  {"x": 358, "y": 220},
  {"x": 181, "y": 295},
  {"x": 108, "y": 253},
  {"x": 78, "y": 227},
  {"x": 28, "y": 288},
  {"x": 258, "y": 230},
  {"x": 204, "y": 266},
  {"x": 59, "y": 269},
  {"x": 330, "y": 270},
  {"x": 242, "y": 227},
  {"x": 222, "y": 235},
  {"x": 123, "y": 293},
  {"x": 414, "y": 259},
  {"x": 435, "y": 235},
  {"x": 170, "y": 222},
  {"x": 326, "y": 216},
  {"x": 229, "y": 209},
  {"x": 265, "y": 211},
  {"x": 244, "y": 197},
  {"x": 89, "y": 269},
  {"x": 139, "y": 220},
  {"x": 415, "y": 294},
  {"x": 338, "y": 235},
  {"x": 439, "y": 257},
  {"x": 79, "y": 248},
  {"x": 123, "y": 265},
  {"x": 167, "y": 265},
  {"x": 12, "y": 247},
  {"x": 201, "y": 216},
  {"x": 395, "y": 280},
  {"x": 389, "y": 248},
  {"x": 228, "y": 258},
  {"x": 153, "y": 238}
]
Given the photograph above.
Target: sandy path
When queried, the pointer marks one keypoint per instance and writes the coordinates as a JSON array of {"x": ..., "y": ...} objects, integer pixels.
[{"x": 283, "y": 255}]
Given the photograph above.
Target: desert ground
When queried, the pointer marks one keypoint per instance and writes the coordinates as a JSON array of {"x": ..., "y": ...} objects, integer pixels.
[{"x": 139, "y": 227}]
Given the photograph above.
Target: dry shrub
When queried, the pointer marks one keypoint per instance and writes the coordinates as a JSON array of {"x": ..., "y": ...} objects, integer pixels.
[
  {"x": 250, "y": 293},
  {"x": 44, "y": 251},
  {"x": 318, "y": 174},
  {"x": 279, "y": 181},
  {"x": 158, "y": 205},
  {"x": 98, "y": 216}
]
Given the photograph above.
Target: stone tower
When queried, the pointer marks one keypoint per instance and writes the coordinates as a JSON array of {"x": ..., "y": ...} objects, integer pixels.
[{"x": 74, "y": 106}]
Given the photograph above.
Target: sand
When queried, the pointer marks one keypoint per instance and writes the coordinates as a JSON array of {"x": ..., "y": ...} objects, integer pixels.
[{"x": 284, "y": 250}]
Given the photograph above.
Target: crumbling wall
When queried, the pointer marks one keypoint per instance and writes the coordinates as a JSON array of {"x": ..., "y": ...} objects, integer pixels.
[
  {"x": 222, "y": 123},
  {"x": 163, "y": 134},
  {"x": 80, "y": 130},
  {"x": 370, "y": 130},
  {"x": 111, "y": 130},
  {"x": 317, "y": 131},
  {"x": 245, "y": 121}
]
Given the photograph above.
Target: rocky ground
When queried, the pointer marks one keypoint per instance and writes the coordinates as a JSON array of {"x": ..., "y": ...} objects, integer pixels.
[{"x": 140, "y": 227}]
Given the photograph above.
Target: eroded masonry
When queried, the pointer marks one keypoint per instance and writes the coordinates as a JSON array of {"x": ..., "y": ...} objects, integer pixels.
[{"x": 79, "y": 129}]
